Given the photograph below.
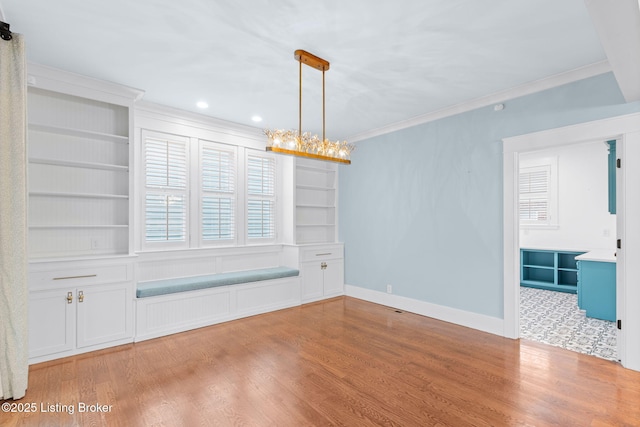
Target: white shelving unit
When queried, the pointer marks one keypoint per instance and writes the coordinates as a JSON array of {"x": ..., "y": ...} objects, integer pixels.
[
  {"x": 315, "y": 201},
  {"x": 80, "y": 243},
  {"x": 78, "y": 176}
]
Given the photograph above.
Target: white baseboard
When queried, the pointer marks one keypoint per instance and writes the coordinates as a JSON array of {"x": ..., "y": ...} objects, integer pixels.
[{"x": 481, "y": 322}]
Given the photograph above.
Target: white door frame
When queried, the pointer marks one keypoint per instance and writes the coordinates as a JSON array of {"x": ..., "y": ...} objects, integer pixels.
[{"x": 626, "y": 130}]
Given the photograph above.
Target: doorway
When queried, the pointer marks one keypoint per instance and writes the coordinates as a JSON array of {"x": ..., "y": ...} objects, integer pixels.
[
  {"x": 564, "y": 213},
  {"x": 625, "y": 129}
]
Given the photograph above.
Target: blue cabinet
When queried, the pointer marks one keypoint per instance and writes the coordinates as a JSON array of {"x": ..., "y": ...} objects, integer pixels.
[
  {"x": 549, "y": 269},
  {"x": 597, "y": 289}
]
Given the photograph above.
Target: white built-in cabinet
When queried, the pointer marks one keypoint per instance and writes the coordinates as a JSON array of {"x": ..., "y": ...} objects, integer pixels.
[
  {"x": 82, "y": 265},
  {"x": 315, "y": 201},
  {"x": 321, "y": 271},
  {"x": 79, "y": 306},
  {"x": 80, "y": 216},
  {"x": 321, "y": 258}
]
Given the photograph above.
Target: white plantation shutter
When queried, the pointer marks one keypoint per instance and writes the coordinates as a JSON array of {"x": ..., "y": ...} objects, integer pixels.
[
  {"x": 218, "y": 193},
  {"x": 166, "y": 164},
  {"x": 165, "y": 161},
  {"x": 165, "y": 218},
  {"x": 535, "y": 194},
  {"x": 261, "y": 203}
]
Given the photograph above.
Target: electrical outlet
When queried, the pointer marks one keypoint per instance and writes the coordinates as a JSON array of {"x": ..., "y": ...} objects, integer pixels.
[
  {"x": 95, "y": 243},
  {"x": 389, "y": 289}
]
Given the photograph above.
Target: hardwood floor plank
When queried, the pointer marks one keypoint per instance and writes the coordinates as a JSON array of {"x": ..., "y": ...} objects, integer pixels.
[{"x": 342, "y": 362}]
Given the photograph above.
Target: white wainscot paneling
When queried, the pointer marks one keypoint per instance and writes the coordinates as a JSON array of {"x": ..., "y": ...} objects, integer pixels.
[
  {"x": 183, "y": 311},
  {"x": 167, "y": 314},
  {"x": 267, "y": 296},
  {"x": 248, "y": 262},
  {"x": 180, "y": 267}
]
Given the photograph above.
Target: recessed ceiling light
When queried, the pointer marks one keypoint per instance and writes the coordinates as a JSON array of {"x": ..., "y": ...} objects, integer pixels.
[
  {"x": 256, "y": 118},
  {"x": 202, "y": 104}
]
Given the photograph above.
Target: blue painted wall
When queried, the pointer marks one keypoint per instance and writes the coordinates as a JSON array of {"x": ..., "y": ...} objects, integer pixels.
[{"x": 421, "y": 208}]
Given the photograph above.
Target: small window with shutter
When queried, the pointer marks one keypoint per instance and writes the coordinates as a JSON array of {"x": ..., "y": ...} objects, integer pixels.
[{"x": 538, "y": 189}]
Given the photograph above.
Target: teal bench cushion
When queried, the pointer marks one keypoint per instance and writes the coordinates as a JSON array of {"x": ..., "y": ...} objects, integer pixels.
[{"x": 184, "y": 284}]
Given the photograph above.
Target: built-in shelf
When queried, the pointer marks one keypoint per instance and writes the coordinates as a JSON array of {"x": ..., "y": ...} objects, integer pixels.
[
  {"x": 315, "y": 202},
  {"x": 78, "y": 195},
  {"x": 83, "y": 257},
  {"x": 84, "y": 165},
  {"x": 314, "y": 168},
  {"x": 312, "y": 242},
  {"x": 78, "y": 132},
  {"x": 315, "y": 187},
  {"x": 315, "y": 206},
  {"x": 549, "y": 269},
  {"x": 79, "y": 183},
  {"x": 76, "y": 227}
]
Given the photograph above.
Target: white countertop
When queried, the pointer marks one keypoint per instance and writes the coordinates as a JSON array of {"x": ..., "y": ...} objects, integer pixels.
[
  {"x": 602, "y": 255},
  {"x": 547, "y": 248}
]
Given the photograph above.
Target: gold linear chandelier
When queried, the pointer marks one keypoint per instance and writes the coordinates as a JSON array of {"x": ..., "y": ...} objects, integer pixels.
[{"x": 297, "y": 143}]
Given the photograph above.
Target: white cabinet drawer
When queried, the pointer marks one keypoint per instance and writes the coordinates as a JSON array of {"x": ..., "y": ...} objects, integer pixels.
[
  {"x": 80, "y": 276},
  {"x": 319, "y": 253}
]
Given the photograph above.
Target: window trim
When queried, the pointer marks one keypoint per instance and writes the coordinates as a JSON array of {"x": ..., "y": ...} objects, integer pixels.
[
  {"x": 202, "y": 144},
  {"x": 248, "y": 197},
  {"x": 145, "y": 190}
]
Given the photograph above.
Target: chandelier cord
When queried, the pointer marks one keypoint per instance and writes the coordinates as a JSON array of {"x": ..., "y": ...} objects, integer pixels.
[
  {"x": 323, "y": 118},
  {"x": 300, "y": 101}
]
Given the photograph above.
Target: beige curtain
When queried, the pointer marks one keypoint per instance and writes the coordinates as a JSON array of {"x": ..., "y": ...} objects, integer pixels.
[{"x": 14, "y": 367}]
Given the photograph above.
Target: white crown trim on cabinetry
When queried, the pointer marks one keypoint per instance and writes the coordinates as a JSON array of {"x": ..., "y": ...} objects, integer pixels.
[
  {"x": 162, "y": 118},
  {"x": 56, "y": 80}
]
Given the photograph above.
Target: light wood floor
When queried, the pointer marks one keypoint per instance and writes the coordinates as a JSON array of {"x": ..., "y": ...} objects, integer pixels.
[{"x": 338, "y": 362}]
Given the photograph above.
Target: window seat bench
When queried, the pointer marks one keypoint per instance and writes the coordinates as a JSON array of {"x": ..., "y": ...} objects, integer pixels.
[
  {"x": 184, "y": 284},
  {"x": 168, "y": 306}
]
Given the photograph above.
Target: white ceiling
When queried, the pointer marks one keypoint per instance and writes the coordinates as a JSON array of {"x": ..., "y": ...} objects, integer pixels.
[{"x": 390, "y": 60}]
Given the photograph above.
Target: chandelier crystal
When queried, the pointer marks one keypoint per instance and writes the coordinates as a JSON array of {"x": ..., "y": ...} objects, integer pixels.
[{"x": 298, "y": 143}]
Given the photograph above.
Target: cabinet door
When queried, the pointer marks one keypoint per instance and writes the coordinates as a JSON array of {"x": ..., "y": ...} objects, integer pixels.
[
  {"x": 51, "y": 322},
  {"x": 334, "y": 278},
  {"x": 598, "y": 288},
  {"x": 104, "y": 314},
  {"x": 312, "y": 278}
]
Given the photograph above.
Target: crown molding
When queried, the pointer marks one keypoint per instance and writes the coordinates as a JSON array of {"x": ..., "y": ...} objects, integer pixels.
[
  {"x": 204, "y": 126},
  {"x": 581, "y": 73},
  {"x": 49, "y": 78}
]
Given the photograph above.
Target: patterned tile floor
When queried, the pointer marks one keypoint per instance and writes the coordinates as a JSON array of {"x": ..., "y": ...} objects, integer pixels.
[{"x": 554, "y": 318}]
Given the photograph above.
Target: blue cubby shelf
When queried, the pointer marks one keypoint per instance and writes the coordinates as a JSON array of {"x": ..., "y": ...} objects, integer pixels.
[{"x": 549, "y": 269}]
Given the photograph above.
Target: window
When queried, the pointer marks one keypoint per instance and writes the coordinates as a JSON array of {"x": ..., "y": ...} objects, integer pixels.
[
  {"x": 218, "y": 193},
  {"x": 534, "y": 194},
  {"x": 261, "y": 197},
  {"x": 165, "y": 199},
  {"x": 538, "y": 189},
  {"x": 196, "y": 193}
]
